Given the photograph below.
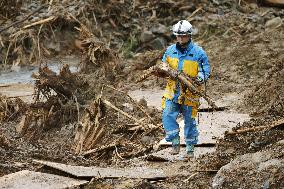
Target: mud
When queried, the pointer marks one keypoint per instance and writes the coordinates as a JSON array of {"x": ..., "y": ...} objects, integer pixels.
[{"x": 112, "y": 44}]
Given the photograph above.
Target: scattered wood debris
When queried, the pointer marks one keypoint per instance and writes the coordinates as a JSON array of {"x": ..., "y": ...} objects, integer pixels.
[
  {"x": 278, "y": 123},
  {"x": 10, "y": 109}
]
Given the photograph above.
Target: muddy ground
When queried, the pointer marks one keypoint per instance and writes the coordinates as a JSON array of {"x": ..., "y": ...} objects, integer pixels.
[{"x": 111, "y": 43}]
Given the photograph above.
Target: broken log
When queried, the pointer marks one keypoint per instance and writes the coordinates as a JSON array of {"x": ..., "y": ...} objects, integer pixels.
[
  {"x": 272, "y": 3},
  {"x": 107, "y": 147},
  {"x": 64, "y": 84},
  {"x": 89, "y": 131},
  {"x": 181, "y": 77},
  {"x": 259, "y": 128},
  {"x": 32, "y": 180}
]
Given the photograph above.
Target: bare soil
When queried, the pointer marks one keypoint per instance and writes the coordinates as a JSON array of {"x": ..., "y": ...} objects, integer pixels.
[{"x": 244, "y": 43}]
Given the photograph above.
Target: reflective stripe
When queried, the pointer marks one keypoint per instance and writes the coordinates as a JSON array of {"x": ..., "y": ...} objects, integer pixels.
[
  {"x": 172, "y": 132},
  {"x": 191, "y": 139}
]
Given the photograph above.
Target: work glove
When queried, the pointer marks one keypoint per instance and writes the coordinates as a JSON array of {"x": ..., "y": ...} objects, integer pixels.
[
  {"x": 199, "y": 80},
  {"x": 162, "y": 67}
]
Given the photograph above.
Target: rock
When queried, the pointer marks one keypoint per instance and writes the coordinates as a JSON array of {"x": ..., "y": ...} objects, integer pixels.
[
  {"x": 261, "y": 165},
  {"x": 53, "y": 46},
  {"x": 159, "y": 29},
  {"x": 159, "y": 43},
  {"x": 146, "y": 36},
  {"x": 143, "y": 102},
  {"x": 147, "y": 140},
  {"x": 4, "y": 141},
  {"x": 127, "y": 107},
  {"x": 273, "y": 23}
]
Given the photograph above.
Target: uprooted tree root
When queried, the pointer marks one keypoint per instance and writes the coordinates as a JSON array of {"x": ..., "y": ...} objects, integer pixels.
[
  {"x": 57, "y": 102},
  {"x": 96, "y": 56}
]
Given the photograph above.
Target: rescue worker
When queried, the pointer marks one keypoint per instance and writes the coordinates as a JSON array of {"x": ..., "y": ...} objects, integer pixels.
[{"x": 189, "y": 58}]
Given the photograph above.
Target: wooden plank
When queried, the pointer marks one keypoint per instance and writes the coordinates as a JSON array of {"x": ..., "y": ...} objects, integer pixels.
[
  {"x": 165, "y": 154},
  {"x": 209, "y": 109},
  {"x": 85, "y": 172},
  {"x": 33, "y": 180}
]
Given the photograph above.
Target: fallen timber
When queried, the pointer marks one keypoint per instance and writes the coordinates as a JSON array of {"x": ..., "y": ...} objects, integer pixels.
[
  {"x": 274, "y": 124},
  {"x": 181, "y": 77}
]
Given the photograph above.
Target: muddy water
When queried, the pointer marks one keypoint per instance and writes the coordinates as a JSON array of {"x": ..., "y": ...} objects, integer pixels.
[
  {"x": 17, "y": 81},
  {"x": 152, "y": 96},
  {"x": 23, "y": 75}
]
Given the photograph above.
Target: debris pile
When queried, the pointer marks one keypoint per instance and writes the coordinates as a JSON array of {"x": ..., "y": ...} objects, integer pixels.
[
  {"x": 253, "y": 146},
  {"x": 88, "y": 118},
  {"x": 126, "y": 27},
  {"x": 9, "y": 9},
  {"x": 267, "y": 98},
  {"x": 11, "y": 108},
  {"x": 261, "y": 169},
  {"x": 106, "y": 128}
]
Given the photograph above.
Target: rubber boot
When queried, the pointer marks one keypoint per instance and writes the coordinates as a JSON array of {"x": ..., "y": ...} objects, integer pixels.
[
  {"x": 175, "y": 146},
  {"x": 189, "y": 150}
]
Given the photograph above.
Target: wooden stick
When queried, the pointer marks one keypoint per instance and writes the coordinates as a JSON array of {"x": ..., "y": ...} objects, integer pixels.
[
  {"x": 29, "y": 15},
  {"x": 40, "y": 22},
  {"x": 5, "y": 62},
  {"x": 209, "y": 170},
  {"x": 38, "y": 44},
  {"x": 100, "y": 149},
  {"x": 191, "y": 176},
  {"x": 122, "y": 112},
  {"x": 253, "y": 129},
  {"x": 194, "y": 12},
  {"x": 133, "y": 101},
  {"x": 5, "y": 85},
  {"x": 50, "y": 3}
]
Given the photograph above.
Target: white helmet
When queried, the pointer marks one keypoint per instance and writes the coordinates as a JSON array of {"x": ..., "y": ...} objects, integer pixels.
[{"x": 183, "y": 27}]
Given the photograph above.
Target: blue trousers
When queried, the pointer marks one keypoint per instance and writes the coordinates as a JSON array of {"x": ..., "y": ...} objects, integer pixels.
[{"x": 171, "y": 127}]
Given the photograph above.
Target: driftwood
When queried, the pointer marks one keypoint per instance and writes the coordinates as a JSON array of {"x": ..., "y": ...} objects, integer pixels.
[
  {"x": 64, "y": 84},
  {"x": 92, "y": 151},
  {"x": 27, "y": 17},
  {"x": 259, "y": 128},
  {"x": 90, "y": 130},
  {"x": 181, "y": 77},
  {"x": 40, "y": 22}
]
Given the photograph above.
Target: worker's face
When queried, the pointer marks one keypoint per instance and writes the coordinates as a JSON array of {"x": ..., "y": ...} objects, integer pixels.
[{"x": 183, "y": 39}]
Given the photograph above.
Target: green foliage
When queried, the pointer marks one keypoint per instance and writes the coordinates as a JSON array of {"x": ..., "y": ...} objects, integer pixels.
[{"x": 130, "y": 45}]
